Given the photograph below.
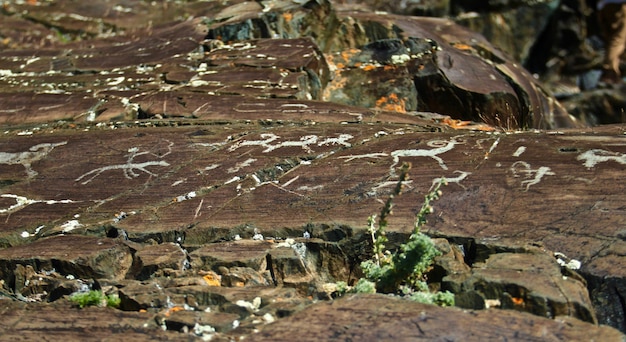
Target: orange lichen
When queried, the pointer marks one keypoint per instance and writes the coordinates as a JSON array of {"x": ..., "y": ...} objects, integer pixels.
[
  {"x": 517, "y": 301},
  {"x": 389, "y": 67},
  {"x": 369, "y": 67},
  {"x": 212, "y": 279},
  {"x": 287, "y": 16},
  {"x": 347, "y": 54},
  {"x": 173, "y": 309},
  {"x": 391, "y": 103},
  {"x": 462, "y": 47},
  {"x": 459, "y": 124}
]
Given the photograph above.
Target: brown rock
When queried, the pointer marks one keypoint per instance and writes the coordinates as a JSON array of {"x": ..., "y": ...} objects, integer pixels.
[
  {"x": 144, "y": 143},
  {"x": 378, "y": 317},
  {"x": 77, "y": 256},
  {"x": 60, "y": 320},
  {"x": 531, "y": 282},
  {"x": 161, "y": 257}
]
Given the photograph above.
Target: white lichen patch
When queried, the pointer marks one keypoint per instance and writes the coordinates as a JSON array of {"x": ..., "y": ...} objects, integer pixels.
[
  {"x": 70, "y": 225},
  {"x": 252, "y": 306},
  {"x": 185, "y": 197},
  {"x": 564, "y": 261},
  {"x": 400, "y": 59}
]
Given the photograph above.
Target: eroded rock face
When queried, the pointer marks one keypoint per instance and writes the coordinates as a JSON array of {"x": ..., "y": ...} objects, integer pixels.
[
  {"x": 196, "y": 171},
  {"x": 376, "y": 317},
  {"x": 191, "y": 57}
]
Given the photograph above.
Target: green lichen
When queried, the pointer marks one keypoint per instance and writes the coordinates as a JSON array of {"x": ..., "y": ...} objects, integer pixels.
[{"x": 94, "y": 298}]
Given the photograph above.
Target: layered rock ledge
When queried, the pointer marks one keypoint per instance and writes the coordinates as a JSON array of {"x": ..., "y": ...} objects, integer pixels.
[{"x": 217, "y": 172}]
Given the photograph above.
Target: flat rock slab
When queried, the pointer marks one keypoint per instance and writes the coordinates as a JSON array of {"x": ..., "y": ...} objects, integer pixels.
[
  {"x": 61, "y": 321},
  {"x": 380, "y": 318},
  {"x": 191, "y": 169},
  {"x": 197, "y": 184},
  {"x": 76, "y": 255}
]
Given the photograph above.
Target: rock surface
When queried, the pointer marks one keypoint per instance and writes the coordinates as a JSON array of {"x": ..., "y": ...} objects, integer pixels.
[
  {"x": 217, "y": 172},
  {"x": 353, "y": 318}
]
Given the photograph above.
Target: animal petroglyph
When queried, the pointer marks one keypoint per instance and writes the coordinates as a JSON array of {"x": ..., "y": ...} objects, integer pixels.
[
  {"x": 130, "y": 166},
  {"x": 595, "y": 156},
  {"x": 440, "y": 147},
  {"x": 378, "y": 187},
  {"x": 22, "y": 202},
  {"x": 523, "y": 167},
  {"x": 268, "y": 140},
  {"x": 241, "y": 165},
  {"x": 519, "y": 151},
  {"x": 462, "y": 175},
  {"x": 363, "y": 156},
  {"x": 27, "y": 158}
]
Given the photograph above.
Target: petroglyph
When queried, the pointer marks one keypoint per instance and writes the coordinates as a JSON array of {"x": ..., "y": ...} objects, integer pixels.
[
  {"x": 362, "y": 156},
  {"x": 537, "y": 174},
  {"x": 241, "y": 165},
  {"x": 519, "y": 151},
  {"x": 27, "y": 158},
  {"x": 440, "y": 147},
  {"x": 376, "y": 189},
  {"x": 457, "y": 180},
  {"x": 130, "y": 166},
  {"x": 595, "y": 156},
  {"x": 21, "y": 202},
  {"x": 268, "y": 141},
  {"x": 341, "y": 140},
  {"x": 493, "y": 147}
]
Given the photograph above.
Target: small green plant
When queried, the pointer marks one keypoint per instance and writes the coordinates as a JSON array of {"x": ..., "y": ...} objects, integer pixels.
[
  {"x": 402, "y": 271},
  {"x": 94, "y": 298}
]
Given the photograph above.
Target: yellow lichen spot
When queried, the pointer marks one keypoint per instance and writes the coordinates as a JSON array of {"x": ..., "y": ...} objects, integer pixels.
[
  {"x": 239, "y": 284},
  {"x": 212, "y": 279}
]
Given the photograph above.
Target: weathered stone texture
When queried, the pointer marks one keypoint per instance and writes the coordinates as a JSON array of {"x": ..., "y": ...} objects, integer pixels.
[
  {"x": 214, "y": 164},
  {"x": 376, "y": 317}
]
